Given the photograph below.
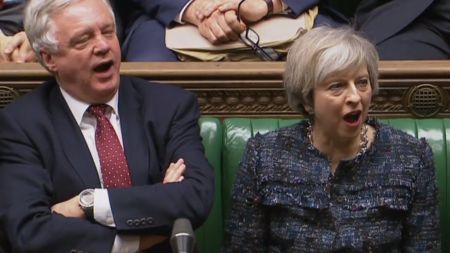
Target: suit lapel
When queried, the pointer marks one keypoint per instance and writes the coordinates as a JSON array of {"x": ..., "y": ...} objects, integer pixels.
[
  {"x": 72, "y": 140},
  {"x": 133, "y": 135}
]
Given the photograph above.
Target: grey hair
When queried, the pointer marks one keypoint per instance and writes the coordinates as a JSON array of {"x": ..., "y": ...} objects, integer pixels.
[
  {"x": 318, "y": 54},
  {"x": 39, "y": 26}
]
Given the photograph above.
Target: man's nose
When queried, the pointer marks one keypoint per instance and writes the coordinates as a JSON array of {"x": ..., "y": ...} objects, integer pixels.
[{"x": 101, "y": 45}]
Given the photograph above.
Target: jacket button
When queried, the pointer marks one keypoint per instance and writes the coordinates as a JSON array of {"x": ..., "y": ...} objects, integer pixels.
[
  {"x": 149, "y": 220},
  {"x": 130, "y": 223},
  {"x": 137, "y": 222}
]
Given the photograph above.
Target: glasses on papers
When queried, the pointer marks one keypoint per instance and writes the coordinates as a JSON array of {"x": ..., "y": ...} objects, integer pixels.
[{"x": 251, "y": 38}]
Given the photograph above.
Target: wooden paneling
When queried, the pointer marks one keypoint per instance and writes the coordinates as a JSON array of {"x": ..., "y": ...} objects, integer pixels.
[{"x": 224, "y": 89}]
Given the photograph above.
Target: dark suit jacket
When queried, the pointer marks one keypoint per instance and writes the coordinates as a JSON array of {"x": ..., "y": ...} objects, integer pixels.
[
  {"x": 130, "y": 15},
  {"x": 427, "y": 21},
  {"x": 382, "y": 19},
  {"x": 45, "y": 160},
  {"x": 11, "y": 19}
]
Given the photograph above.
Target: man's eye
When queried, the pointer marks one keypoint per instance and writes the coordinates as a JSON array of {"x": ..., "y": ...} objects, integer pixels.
[
  {"x": 81, "y": 42},
  {"x": 109, "y": 33}
]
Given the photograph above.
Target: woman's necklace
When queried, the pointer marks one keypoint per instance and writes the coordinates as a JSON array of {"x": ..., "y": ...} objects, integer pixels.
[{"x": 362, "y": 146}]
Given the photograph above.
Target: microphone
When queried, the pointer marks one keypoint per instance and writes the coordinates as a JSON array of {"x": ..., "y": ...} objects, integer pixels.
[{"x": 182, "y": 239}]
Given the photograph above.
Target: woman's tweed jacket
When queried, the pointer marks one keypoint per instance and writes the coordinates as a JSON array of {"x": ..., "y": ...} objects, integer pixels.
[{"x": 286, "y": 200}]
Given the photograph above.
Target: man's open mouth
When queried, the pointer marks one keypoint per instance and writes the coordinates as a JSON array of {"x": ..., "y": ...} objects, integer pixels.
[{"x": 102, "y": 67}]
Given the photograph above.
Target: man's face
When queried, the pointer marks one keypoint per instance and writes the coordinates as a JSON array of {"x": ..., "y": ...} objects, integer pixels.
[{"x": 87, "y": 61}]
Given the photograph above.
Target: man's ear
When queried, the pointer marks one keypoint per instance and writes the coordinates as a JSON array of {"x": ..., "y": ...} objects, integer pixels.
[{"x": 48, "y": 61}]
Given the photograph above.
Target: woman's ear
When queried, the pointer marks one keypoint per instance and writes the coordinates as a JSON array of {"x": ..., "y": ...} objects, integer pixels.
[{"x": 309, "y": 109}]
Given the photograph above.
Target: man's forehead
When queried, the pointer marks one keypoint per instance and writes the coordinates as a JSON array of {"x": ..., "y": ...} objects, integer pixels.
[{"x": 81, "y": 10}]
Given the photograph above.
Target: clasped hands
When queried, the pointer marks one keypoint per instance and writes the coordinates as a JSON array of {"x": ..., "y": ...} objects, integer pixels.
[
  {"x": 217, "y": 20},
  {"x": 16, "y": 48}
]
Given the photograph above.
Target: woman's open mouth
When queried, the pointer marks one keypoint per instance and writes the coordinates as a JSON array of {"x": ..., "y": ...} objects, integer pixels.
[{"x": 352, "y": 117}]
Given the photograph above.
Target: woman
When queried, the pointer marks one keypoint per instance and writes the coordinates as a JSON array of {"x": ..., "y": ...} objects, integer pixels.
[{"x": 339, "y": 181}]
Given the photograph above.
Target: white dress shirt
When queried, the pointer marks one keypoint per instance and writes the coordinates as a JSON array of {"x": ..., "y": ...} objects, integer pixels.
[{"x": 102, "y": 208}]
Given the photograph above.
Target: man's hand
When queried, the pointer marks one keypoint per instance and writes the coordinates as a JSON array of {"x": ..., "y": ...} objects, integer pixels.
[
  {"x": 69, "y": 208},
  {"x": 217, "y": 27},
  {"x": 221, "y": 27},
  {"x": 17, "y": 48},
  {"x": 175, "y": 172},
  {"x": 251, "y": 10}
]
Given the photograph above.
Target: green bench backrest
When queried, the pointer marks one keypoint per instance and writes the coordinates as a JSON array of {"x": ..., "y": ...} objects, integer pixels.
[{"x": 210, "y": 235}]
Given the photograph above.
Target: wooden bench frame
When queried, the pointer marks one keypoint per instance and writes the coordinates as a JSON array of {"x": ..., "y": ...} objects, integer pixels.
[{"x": 232, "y": 89}]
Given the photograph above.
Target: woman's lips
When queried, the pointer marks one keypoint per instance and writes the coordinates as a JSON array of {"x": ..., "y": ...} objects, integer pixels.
[{"x": 352, "y": 117}]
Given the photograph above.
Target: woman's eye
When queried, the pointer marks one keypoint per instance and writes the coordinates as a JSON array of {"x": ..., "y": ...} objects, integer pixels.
[
  {"x": 335, "y": 86},
  {"x": 362, "y": 83}
]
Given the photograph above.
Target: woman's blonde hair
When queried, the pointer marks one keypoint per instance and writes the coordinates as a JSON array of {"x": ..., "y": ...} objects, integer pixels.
[{"x": 318, "y": 54}]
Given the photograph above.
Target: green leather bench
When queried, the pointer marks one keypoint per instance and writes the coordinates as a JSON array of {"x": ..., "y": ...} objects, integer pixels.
[{"x": 225, "y": 142}]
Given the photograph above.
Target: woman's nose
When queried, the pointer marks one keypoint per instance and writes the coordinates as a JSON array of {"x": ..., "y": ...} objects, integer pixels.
[{"x": 353, "y": 94}]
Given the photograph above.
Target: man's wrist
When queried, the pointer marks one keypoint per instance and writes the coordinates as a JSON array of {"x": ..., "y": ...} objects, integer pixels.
[
  {"x": 86, "y": 203},
  {"x": 278, "y": 6},
  {"x": 269, "y": 4}
]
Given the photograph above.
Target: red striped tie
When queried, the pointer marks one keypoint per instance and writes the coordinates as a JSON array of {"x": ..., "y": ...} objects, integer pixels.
[{"x": 113, "y": 163}]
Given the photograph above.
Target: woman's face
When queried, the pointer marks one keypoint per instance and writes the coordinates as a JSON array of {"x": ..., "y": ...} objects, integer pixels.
[{"x": 341, "y": 103}]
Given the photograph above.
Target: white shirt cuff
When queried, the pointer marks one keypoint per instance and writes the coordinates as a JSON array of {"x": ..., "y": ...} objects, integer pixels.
[
  {"x": 179, "y": 17},
  {"x": 102, "y": 208},
  {"x": 103, "y": 215},
  {"x": 126, "y": 244}
]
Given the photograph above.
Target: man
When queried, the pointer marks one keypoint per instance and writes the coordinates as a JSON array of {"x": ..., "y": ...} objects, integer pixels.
[
  {"x": 14, "y": 46},
  {"x": 66, "y": 183}
]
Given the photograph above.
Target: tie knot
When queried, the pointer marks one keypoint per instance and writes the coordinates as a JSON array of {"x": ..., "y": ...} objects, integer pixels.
[{"x": 98, "y": 110}]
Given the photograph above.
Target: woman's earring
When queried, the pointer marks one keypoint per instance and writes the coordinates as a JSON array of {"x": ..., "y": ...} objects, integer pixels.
[{"x": 309, "y": 110}]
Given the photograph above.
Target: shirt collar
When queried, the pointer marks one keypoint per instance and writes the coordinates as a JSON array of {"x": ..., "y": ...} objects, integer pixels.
[{"x": 78, "y": 108}]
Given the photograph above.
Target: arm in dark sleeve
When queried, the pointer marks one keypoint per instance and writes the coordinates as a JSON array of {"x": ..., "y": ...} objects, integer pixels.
[
  {"x": 11, "y": 19},
  {"x": 26, "y": 193},
  {"x": 163, "y": 203},
  {"x": 162, "y": 10},
  {"x": 421, "y": 228},
  {"x": 298, "y": 7},
  {"x": 246, "y": 227}
]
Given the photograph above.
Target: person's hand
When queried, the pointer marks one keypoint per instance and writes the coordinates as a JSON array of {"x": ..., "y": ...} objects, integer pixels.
[
  {"x": 148, "y": 241},
  {"x": 195, "y": 12},
  {"x": 221, "y": 27},
  {"x": 18, "y": 49},
  {"x": 251, "y": 10},
  {"x": 217, "y": 27},
  {"x": 175, "y": 172},
  {"x": 69, "y": 208},
  {"x": 3, "y": 42}
]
